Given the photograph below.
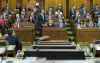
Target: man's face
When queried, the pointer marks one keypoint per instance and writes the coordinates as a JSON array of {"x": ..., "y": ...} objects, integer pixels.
[
  {"x": 24, "y": 10},
  {"x": 35, "y": 9}
]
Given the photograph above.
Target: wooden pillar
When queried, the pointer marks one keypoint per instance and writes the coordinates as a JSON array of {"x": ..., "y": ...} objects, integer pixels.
[
  {"x": 67, "y": 8},
  {"x": 29, "y": 3},
  {"x": 91, "y": 3},
  {"x": 1, "y": 5},
  {"x": 12, "y": 4}
]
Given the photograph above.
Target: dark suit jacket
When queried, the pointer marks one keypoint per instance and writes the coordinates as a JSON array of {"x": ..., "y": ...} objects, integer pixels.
[{"x": 13, "y": 40}]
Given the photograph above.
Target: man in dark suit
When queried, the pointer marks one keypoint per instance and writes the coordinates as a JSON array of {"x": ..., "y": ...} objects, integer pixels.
[
  {"x": 73, "y": 13},
  {"x": 38, "y": 21},
  {"x": 13, "y": 40}
]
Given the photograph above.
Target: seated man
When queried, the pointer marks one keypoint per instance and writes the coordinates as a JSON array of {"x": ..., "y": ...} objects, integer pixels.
[{"x": 13, "y": 40}]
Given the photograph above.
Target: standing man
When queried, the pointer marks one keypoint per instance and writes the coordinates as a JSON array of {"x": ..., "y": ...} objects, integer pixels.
[
  {"x": 82, "y": 11},
  {"x": 73, "y": 12},
  {"x": 23, "y": 12},
  {"x": 38, "y": 20}
]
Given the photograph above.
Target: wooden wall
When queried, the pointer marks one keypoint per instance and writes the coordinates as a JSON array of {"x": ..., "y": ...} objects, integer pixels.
[
  {"x": 31, "y": 3},
  {"x": 67, "y": 4},
  {"x": 12, "y": 4},
  {"x": 96, "y": 2},
  {"x": 55, "y": 33},
  {"x": 55, "y": 3},
  {"x": 2, "y": 4},
  {"x": 78, "y": 3},
  {"x": 26, "y": 32},
  {"x": 88, "y": 35},
  {"x": 24, "y": 3}
]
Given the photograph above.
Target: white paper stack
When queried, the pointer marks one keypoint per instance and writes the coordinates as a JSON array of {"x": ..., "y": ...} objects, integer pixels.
[
  {"x": 2, "y": 50},
  {"x": 10, "y": 47},
  {"x": 30, "y": 60},
  {"x": 97, "y": 47}
]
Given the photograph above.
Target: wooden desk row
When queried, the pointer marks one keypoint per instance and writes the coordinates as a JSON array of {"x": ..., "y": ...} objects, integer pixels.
[
  {"x": 82, "y": 35},
  {"x": 28, "y": 35},
  {"x": 26, "y": 32},
  {"x": 55, "y": 33},
  {"x": 88, "y": 35}
]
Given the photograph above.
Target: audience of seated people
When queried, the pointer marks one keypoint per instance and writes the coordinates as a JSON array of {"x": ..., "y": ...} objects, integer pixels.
[
  {"x": 84, "y": 18},
  {"x": 53, "y": 17}
]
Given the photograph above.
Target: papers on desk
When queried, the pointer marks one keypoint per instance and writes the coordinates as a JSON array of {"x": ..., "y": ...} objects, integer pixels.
[
  {"x": 97, "y": 46},
  {"x": 15, "y": 60},
  {"x": 30, "y": 60},
  {"x": 10, "y": 60},
  {"x": 0, "y": 59},
  {"x": 2, "y": 50},
  {"x": 34, "y": 60},
  {"x": 10, "y": 47}
]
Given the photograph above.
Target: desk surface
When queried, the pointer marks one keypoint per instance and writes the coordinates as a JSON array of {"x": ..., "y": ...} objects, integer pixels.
[{"x": 88, "y": 35}]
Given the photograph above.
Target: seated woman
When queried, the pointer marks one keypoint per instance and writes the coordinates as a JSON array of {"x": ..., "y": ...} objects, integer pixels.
[{"x": 13, "y": 40}]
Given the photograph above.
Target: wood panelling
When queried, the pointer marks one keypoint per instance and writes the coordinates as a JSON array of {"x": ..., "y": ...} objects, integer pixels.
[
  {"x": 55, "y": 3},
  {"x": 96, "y": 2},
  {"x": 12, "y": 4},
  {"x": 55, "y": 33},
  {"x": 24, "y": 3},
  {"x": 78, "y": 3},
  {"x": 2, "y": 4},
  {"x": 88, "y": 35},
  {"x": 26, "y": 32},
  {"x": 27, "y": 35},
  {"x": 30, "y": 3}
]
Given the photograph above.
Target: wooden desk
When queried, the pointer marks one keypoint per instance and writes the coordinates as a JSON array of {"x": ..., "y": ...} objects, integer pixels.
[
  {"x": 55, "y": 33},
  {"x": 88, "y": 35},
  {"x": 2, "y": 38},
  {"x": 26, "y": 32},
  {"x": 26, "y": 35}
]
